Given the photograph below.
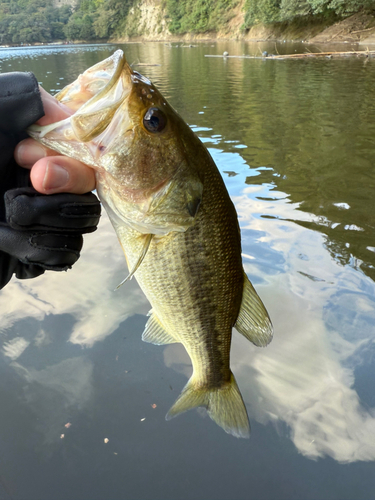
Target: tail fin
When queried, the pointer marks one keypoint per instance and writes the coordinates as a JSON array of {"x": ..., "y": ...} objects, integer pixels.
[{"x": 224, "y": 405}]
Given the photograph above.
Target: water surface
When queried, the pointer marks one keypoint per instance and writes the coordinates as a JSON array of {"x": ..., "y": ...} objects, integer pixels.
[{"x": 295, "y": 143}]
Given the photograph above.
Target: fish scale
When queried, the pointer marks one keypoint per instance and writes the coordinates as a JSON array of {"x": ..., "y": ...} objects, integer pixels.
[{"x": 200, "y": 304}]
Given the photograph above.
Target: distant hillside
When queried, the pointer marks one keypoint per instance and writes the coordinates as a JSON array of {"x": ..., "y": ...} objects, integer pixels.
[{"x": 45, "y": 21}]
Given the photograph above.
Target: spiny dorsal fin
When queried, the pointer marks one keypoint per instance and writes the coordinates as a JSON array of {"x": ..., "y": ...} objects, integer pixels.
[
  {"x": 154, "y": 332},
  {"x": 145, "y": 247},
  {"x": 253, "y": 320}
]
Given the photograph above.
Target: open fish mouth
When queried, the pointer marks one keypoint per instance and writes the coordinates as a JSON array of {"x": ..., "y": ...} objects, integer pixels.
[{"x": 96, "y": 97}]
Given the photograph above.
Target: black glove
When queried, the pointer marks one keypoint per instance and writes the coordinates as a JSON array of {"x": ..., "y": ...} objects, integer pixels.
[{"x": 37, "y": 232}]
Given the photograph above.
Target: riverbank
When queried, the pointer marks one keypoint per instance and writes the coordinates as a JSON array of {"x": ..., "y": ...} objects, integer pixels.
[
  {"x": 359, "y": 28},
  {"x": 147, "y": 22}
]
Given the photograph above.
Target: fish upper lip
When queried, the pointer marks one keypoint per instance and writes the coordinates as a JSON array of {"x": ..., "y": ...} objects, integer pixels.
[{"x": 135, "y": 77}]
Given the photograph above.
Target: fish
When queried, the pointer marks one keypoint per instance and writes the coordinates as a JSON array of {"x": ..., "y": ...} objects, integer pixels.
[{"x": 176, "y": 223}]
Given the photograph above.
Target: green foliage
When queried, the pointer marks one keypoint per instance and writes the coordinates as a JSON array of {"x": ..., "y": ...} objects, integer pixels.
[
  {"x": 32, "y": 21},
  {"x": 36, "y": 21},
  {"x": 341, "y": 7},
  {"x": 198, "y": 16},
  {"x": 262, "y": 11},
  {"x": 290, "y": 9},
  {"x": 131, "y": 26},
  {"x": 110, "y": 15},
  {"x": 272, "y": 11},
  {"x": 57, "y": 30},
  {"x": 64, "y": 13},
  {"x": 79, "y": 27}
]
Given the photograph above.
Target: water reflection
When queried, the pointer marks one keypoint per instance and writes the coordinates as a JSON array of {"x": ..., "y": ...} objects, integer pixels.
[
  {"x": 86, "y": 295},
  {"x": 51, "y": 393},
  {"x": 305, "y": 377},
  {"x": 325, "y": 319},
  {"x": 294, "y": 143},
  {"x": 306, "y": 123},
  {"x": 44, "y": 321}
]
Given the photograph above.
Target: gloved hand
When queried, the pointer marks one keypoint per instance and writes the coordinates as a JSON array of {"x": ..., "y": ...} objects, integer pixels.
[{"x": 37, "y": 232}]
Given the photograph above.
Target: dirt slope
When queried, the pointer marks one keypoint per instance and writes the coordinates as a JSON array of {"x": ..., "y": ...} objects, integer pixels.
[
  {"x": 357, "y": 28},
  {"x": 147, "y": 21}
]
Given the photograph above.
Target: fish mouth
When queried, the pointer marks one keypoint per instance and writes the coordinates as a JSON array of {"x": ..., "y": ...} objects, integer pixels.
[
  {"x": 99, "y": 92},
  {"x": 95, "y": 98}
]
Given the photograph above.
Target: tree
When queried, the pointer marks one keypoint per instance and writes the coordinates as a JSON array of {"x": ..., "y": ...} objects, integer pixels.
[
  {"x": 72, "y": 29},
  {"x": 87, "y": 31},
  {"x": 261, "y": 11},
  {"x": 290, "y": 9},
  {"x": 57, "y": 31}
]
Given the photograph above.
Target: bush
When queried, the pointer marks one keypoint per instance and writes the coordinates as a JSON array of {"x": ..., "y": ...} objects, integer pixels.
[
  {"x": 32, "y": 21},
  {"x": 198, "y": 16},
  {"x": 262, "y": 12}
]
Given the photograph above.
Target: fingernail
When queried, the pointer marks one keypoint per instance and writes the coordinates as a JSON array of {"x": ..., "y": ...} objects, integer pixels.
[
  {"x": 28, "y": 154},
  {"x": 55, "y": 178}
]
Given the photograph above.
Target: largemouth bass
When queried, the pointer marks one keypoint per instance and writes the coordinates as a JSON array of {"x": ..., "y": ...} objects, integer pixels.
[{"x": 175, "y": 221}]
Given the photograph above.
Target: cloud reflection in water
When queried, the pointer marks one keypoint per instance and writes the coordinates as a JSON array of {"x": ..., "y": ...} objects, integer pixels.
[
  {"x": 85, "y": 309},
  {"x": 86, "y": 292},
  {"x": 305, "y": 378}
]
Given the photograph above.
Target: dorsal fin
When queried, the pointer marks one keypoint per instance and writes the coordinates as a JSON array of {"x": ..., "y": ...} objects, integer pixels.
[
  {"x": 155, "y": 333},
  {"x": 145, "y": 247},
  {"x": 253, "y": 321}
]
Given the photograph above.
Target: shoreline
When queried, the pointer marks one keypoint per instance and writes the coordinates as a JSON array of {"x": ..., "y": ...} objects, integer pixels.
[{"x": 357, "y": 30}]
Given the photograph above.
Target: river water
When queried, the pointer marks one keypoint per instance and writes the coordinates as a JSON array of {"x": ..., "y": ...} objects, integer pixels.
[{"x": 83, "y": 400}]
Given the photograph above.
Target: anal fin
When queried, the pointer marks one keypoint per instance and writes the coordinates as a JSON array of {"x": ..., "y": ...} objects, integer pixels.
[
  {"x": 253, "y": 321},
  {"x": 155, "y": 333}
]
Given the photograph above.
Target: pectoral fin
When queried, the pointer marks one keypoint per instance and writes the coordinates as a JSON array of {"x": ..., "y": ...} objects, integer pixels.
[
  {"x": 253, "y": 320},
  {"x": 145, "y": 247},
  {"x": 155, "y": 333}
]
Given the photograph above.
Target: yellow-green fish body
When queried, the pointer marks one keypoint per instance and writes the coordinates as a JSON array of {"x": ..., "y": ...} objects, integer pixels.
[{"x": 176, "y": 224}]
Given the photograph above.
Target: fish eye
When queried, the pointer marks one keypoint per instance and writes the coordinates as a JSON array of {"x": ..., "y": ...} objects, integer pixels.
[{"x": 154, "y": 120}]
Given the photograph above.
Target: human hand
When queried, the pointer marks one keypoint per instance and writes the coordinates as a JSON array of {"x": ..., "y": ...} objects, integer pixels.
[
  {"x": 51, "y": 172},
  {"x": 39, "y": 232}
]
